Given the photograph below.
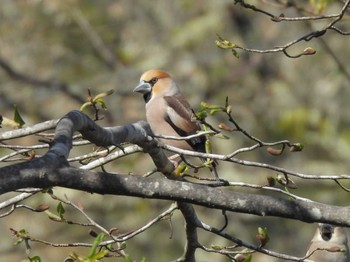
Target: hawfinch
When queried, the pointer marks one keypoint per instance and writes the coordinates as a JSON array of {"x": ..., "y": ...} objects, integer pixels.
[
  {"x": 333, "y": 239},
  {"x": 168, "y": 112}
]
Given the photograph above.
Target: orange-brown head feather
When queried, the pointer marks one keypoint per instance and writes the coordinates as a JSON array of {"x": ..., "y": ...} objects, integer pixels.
[
  {"x": 148, "y": 75},
  {"x": 161, "y": 82}
]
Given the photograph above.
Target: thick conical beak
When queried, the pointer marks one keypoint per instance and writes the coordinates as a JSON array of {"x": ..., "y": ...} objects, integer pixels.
[{"x": 143, "y": 88}]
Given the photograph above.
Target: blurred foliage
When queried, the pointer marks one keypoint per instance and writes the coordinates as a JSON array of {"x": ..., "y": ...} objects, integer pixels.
[
  {"x": 319, "y": 5},
  {"x": 104, "y": 45}
]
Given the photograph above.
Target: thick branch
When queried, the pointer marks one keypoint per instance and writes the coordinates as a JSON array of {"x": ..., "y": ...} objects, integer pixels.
[
  {"x": 138, "y": 133},
  {"x": 52, "y": 170},
  {"x": 160, "y": 188},
  {"x": 191, "y": 224}
]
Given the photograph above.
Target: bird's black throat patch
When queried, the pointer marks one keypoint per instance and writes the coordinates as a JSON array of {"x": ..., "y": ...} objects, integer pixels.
[{"x": 147, "y": 97}]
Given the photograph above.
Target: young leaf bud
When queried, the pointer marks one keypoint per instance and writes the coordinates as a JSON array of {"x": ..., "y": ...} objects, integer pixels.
[
  {"x": 274, "y": 152},
  {"x": 309, "y": 51}
]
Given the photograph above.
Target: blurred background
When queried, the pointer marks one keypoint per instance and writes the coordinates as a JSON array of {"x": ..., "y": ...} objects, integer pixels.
[{"x": 52, "y": 52}]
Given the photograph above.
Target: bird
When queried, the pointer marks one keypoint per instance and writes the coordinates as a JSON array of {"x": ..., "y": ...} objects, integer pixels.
[
  {"x": 334, "y": 240},
  {"x": 168, "y": 112}
]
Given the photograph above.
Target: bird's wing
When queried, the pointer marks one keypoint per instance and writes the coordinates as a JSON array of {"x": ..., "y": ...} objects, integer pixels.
[
  {"x": 180, "y": 113},
  {"x": 178, "y": 116}
]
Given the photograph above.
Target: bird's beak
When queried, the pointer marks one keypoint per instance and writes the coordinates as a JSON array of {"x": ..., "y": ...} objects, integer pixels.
[{"x": 143, "y": 88}]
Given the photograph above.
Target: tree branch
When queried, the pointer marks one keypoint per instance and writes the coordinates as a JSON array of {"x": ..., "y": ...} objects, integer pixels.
[
  {"x": 160, "y": 188},
  {"x": 191, "y": 224},
  {"x": 16, "y": 133},
  {"x": 52, "y": 170},
  {"x": 307, "y": 37}
]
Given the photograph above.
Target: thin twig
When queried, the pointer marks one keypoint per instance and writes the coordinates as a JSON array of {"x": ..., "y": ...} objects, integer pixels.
[
  {"x": 18, "y": 198},
  {"x": 199, "y": 134},
  {"x": 160, "y": 217},
  {"x": 314, "y": 34},
  {"x": 248, "y": 245}
]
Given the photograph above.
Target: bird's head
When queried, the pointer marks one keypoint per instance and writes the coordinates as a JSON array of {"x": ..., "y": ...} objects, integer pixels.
[
  {"x": 156, "y": 83},
  {"x": 326, "y": 231}
]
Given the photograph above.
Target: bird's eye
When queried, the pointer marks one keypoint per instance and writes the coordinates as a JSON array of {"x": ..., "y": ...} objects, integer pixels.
[{"x": 154, "y": 80}]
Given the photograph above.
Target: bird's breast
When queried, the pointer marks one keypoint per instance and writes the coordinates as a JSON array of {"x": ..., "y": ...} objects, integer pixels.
[{"x": 156, "y": 114}]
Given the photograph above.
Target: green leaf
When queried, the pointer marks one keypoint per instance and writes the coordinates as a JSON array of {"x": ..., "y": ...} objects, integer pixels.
[
  {"x": 86, "y": 104},
  {"x": 216, "y": 247},
  {"x": 101, "y": 103},
  {"x": 95, "y": 245},
  {"x": 201, "y": 114},
  {"x": 60, "y": 210},
  {"x": 23, "y": 232},
  {"x": 181, "y": 169},
  {"x": 206, "y": 108},
  {"x": 212, "y": 109},
  {"x": 17, "y": 117},
  {"x": 53, "y": 216},
  {"x": 98, "y": 99},
  {"x": 9, "y": 122},
  {"x": 205, "y": 105},
  {"x": 263, "y": 231},
  {"x": 297, "y": 147},
  {"x": 99, "y": 255},
  {"x": 286, "y": 182},
  {"x": 235, "y": 53},
  {"x": 225, "y": 44},
  {"x": 34, "y": 259},
  {"x": 207, "y": 146},
  {"x": 215, "y": 110},
  {"x": 263, "y": 236},
  {"x": 101, "y": 95},
  {"x": 122, "y": 245},
  {"x": 18, "y": 241}
]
